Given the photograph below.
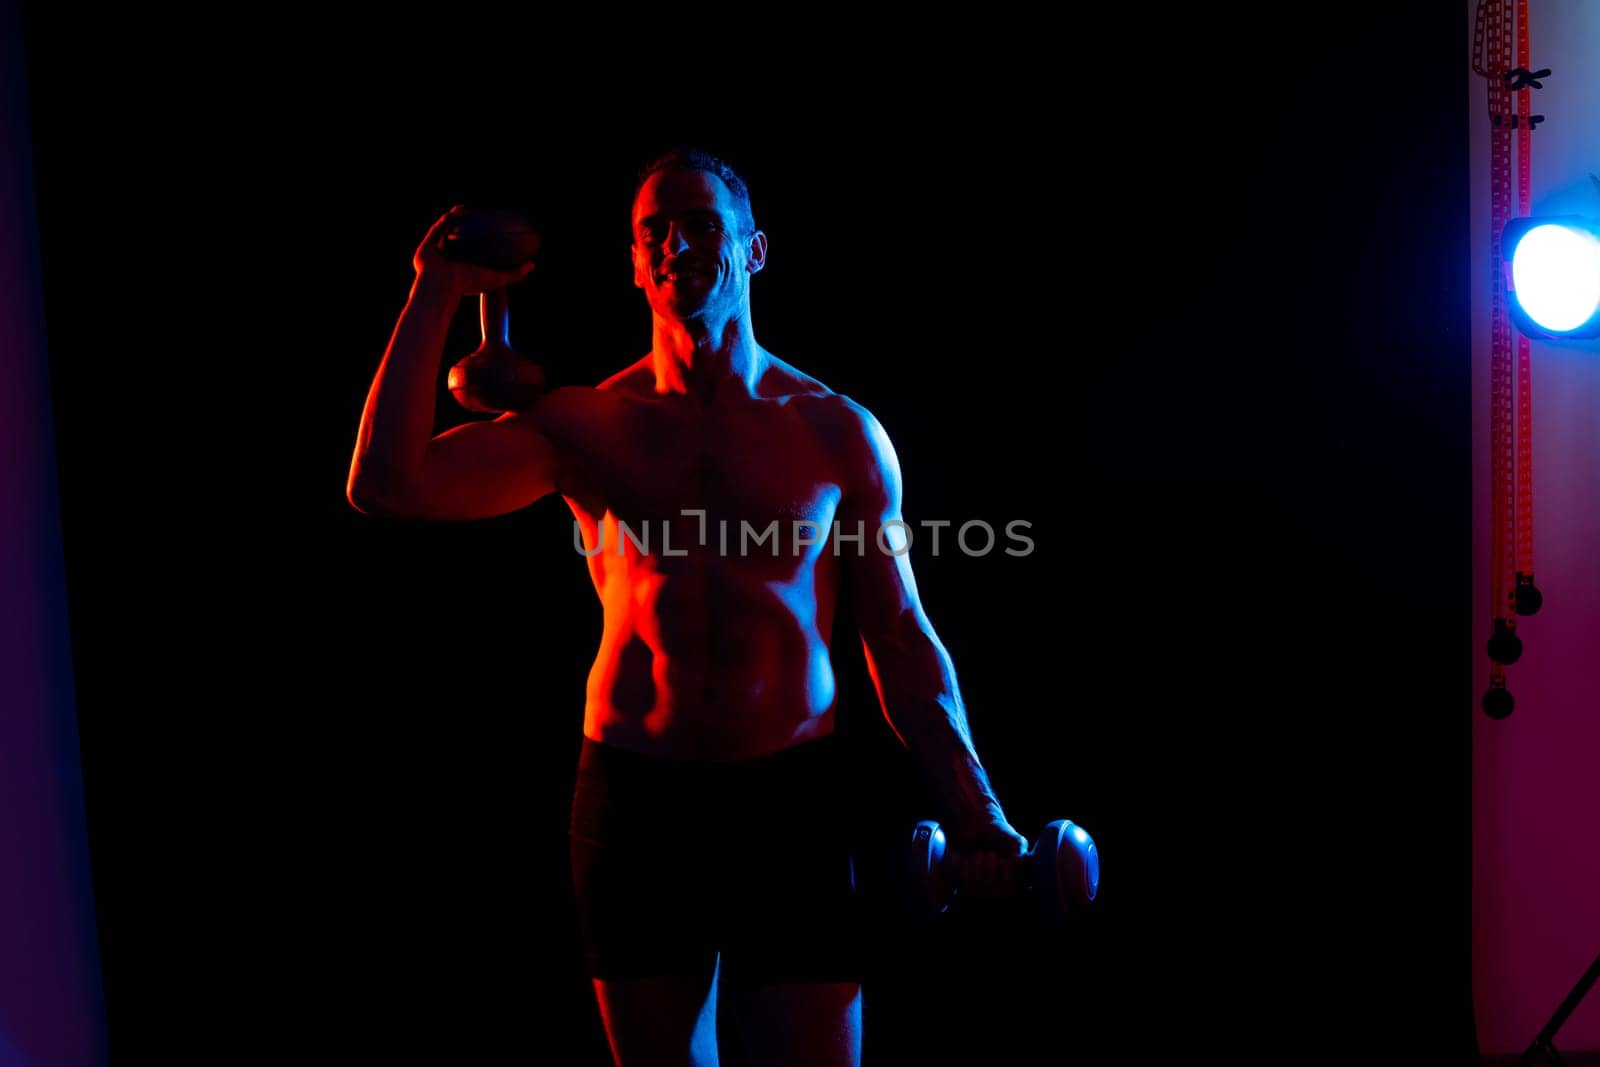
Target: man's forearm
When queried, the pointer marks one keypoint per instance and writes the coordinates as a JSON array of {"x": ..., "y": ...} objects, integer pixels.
[
  {"x": 397, "y": 421},
  {"x": 917, "y": 686}
]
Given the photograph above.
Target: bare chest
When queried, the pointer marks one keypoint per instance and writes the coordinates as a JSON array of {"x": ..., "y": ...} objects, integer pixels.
[{"x": 751, "y": 469}]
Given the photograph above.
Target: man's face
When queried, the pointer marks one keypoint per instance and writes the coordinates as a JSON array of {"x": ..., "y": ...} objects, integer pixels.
[{"x": 689, "y": 254}]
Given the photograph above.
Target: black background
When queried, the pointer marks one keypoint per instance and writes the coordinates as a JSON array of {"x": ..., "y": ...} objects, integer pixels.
[{"x": 1192, "y": 301}]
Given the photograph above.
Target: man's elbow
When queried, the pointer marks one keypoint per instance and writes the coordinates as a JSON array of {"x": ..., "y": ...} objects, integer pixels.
[
  {"x": 363, "y": 501},
  {"x": 370, "y": 498}
]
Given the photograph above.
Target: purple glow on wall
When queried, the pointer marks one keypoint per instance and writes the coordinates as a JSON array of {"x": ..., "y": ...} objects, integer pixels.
[{"x": 51, "y": 1002}]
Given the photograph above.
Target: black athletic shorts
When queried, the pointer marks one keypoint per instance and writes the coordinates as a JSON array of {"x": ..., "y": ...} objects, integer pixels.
[{"x": 675, "y": 861}]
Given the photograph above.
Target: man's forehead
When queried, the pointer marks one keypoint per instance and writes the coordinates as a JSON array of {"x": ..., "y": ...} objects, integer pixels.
[{"x": 679, "y": 189}]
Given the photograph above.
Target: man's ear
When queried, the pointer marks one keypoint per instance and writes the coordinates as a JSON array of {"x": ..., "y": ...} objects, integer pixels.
[{"x": 758, "y": 251}]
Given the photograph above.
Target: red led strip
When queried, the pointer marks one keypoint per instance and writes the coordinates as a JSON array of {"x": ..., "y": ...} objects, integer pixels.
[
  {"x": 1524, "y": 504},
  {"x": 1496, "y": 43}
]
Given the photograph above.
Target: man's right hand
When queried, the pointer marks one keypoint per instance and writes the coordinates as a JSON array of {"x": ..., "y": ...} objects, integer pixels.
[{"x": 451, "y": 277}]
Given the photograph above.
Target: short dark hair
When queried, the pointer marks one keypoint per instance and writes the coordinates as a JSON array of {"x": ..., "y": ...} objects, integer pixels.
[{"x": 685, "y": 157}]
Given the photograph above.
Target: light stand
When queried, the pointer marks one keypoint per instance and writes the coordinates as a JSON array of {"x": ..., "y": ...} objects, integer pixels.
[{"x": 1544, "y": 1045}]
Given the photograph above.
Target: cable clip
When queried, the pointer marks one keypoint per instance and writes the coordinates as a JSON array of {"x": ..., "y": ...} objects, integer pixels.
[
  {"x": 1533, "y": 120},
  {"x": 1522, "y": 77}
]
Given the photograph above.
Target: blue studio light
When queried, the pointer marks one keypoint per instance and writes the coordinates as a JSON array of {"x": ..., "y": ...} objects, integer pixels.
[{"x": 1552, "y": 273}]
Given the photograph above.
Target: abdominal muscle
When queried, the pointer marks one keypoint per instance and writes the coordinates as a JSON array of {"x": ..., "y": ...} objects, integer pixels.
[{"x": 709, "y": 663}]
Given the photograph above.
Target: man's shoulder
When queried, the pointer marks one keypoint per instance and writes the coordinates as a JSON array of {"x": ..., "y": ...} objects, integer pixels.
[
  {"x": 851, "y": 433},
  {"x": 793, "y": 386},
  {"x": 847, "y": 418},
  {"x": 784, "y": 381},
  {"x": 637, "y": 377}
]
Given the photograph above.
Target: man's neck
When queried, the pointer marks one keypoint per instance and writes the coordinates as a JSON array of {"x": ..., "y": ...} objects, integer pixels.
[{"x": 701, "y": 359}]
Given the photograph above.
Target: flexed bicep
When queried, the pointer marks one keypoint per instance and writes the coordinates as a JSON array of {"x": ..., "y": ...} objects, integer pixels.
[{"x": 482, "y": 469}]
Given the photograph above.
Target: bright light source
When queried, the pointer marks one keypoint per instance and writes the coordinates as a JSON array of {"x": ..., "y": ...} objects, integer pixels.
[{"x": 1553, "y": 276}]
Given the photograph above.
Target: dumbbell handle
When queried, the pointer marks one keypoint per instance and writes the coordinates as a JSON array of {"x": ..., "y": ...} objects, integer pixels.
[
  {"x": 1019, "y": 863},
  {"x": 494, "y": 317}
]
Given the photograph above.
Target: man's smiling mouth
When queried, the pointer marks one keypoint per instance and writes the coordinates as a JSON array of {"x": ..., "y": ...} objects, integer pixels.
[{"x": 678, "y": 274}]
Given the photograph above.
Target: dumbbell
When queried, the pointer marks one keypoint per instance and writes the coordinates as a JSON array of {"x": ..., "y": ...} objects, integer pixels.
[
  {"x": 1061, "y": 872},
  {"x": 496, "y": 377}
]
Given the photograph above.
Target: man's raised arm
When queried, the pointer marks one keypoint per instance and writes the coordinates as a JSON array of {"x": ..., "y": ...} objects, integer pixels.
[{"x": 476, "y": 470}]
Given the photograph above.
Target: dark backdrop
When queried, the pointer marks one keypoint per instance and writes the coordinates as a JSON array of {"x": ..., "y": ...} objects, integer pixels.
[{"x": 1190, "y": 301}]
